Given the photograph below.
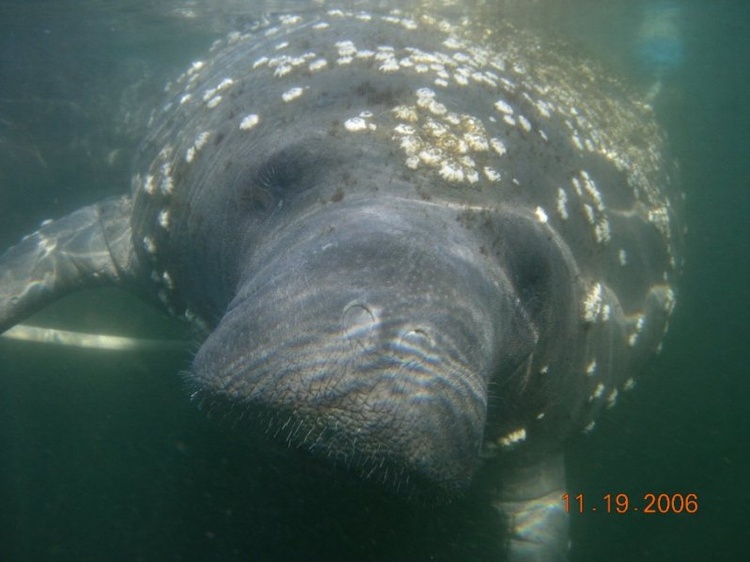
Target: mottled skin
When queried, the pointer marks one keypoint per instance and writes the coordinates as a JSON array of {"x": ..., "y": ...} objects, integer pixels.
[{"x": 408, "y": 250}]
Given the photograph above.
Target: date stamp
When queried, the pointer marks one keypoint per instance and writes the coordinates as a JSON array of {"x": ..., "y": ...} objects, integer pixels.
[{"x": 621, "y": 503}]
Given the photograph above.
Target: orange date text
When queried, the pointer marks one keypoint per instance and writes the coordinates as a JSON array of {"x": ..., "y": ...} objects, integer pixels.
[{"x": 622, "y": 503}]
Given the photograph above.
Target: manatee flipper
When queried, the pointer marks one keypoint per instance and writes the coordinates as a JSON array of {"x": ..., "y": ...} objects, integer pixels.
[
  {"x": 531, "y": 502},
  {"x": 88, "y": 248},
  {"x": 107, "y": 342}
]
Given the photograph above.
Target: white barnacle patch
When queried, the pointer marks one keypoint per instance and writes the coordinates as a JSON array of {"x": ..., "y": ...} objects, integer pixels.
[
  {"x": 589, "y": 211},
  {"x": 589, "y": 426},
  {"x": 412, "y": 145},
  {"x": 504, "y": 107},
  {"x": 321, "y": 25},
  {"x": 525, "y": 124},
  {"x": 591, "y": 368},
  {"x": 659, "y": 217},
  {"x": 592, "y": 304},
  {"x": 454, "y": 119},
  {"x": 498, "y": 146},
  {"x": 577, "y": 141},
  {"x": 224, "y": 84},
  {"x": 149, "y": 245},
  {"x": 622, "y": 256},
  {"x": 543, "y": 108},
  {"x": 590, "y": 186},
  {"x": 437, "y": 108},
  {"x": 164, "y": 219},
  {"x": 453, "y": 43},
  {"x": 491, "y": 173},
  {"x": 406, "y": 113},
  {"x": 602, "y": 231},
  {"x": 282, "y": 70},
  {"x": 364, "y": 54},
  {"x": 149, "y": 186},
  {"x": 281, "y": 46},
  {"x": 637, "y": 330},
  {"x": 355, "y": 124},
  {"x": 249, "y": 121},
  {"x": 213, "y": 102},
  {"x": 186, "y": 98},
  {"x": 409, "y": 24},
  {"x": 260, "y": 62},
  {"x": 562, "y": 204},
  {"x": 431, "y": 156},
  {"x": 289, "y": 19},
  {"x": 544, "y": 370},
  {"x": 389, "y": 65},
  {"x": 346, "y": 48},
  {"x": 541, "y": 215},
  {"x": 167, "y": 185},
  {"x": 403, "y": 129},
  {"x": 513, "y": 438},
  {"x": 435, "y": 129},
  {"x": 461, "y": 79},
  {"x": 317, "y": 65},
  {"x": 451, "y": 171},
  {"x": 510, "y": 120},
  {"x": 167, "y": 278},
  {"x": 629, "y": 384},
  {"x": 597, "y": 393},
  {"x": 577, "y": 186},
  {"x": 425, "y": 96},
  {"x": 612, "y": 398},
  {"x": 200, "y": 142},
  {"x": 477, "y": 142},
  {"x": 292, "y": 94}
]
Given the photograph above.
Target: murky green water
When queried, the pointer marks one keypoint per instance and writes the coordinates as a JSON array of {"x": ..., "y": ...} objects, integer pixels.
[{"x": 103, "y": 457}]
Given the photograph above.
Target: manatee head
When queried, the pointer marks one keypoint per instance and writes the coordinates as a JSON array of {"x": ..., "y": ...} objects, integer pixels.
[{"x": 364, "y": 328}]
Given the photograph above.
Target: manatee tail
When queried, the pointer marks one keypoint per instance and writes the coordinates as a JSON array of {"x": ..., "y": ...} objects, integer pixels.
[
  {"x": 531, "y": 502},
  {"x": 88, "y": 248}
]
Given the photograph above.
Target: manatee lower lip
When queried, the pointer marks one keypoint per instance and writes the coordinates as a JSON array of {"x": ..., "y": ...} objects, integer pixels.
[{"x": 400, "y": 415}]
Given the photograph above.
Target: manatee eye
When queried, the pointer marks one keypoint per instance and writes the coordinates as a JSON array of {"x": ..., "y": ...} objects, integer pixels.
[
  {"x": 256, "y": 198},
  {"x": 532, "y": 279},
  {"x": 285, "y": 174},
  {"x": 290, "y": 171}
]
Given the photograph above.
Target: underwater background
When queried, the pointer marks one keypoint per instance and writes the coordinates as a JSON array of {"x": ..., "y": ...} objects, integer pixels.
[{"x": 103, "y": 456}]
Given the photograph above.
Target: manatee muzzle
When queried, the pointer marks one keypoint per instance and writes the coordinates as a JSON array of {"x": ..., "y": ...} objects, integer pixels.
[{"x": 367, "y": 340}]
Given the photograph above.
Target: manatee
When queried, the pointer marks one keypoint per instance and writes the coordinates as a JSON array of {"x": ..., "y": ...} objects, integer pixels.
[{"x": 411, "y": 248}]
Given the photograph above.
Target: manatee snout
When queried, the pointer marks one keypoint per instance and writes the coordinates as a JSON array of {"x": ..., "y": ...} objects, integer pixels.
[{"x": 366, "y": 341}]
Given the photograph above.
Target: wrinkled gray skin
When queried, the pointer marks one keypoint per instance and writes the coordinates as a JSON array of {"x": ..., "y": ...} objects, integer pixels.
[{"x": 412, "y": 248}]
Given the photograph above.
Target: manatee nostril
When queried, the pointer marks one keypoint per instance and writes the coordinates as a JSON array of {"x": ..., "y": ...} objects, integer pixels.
[
  {"x": 418, "y": 337},
  {"x": 358, "y": 321}
]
